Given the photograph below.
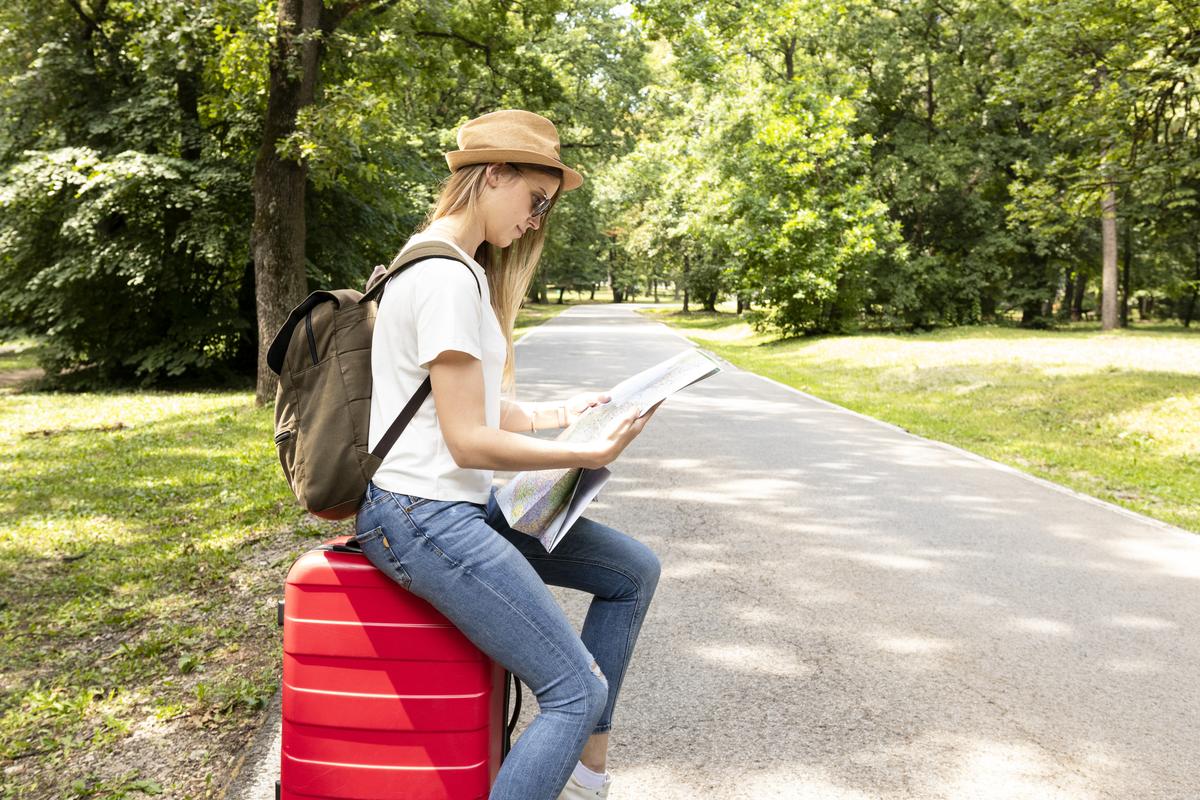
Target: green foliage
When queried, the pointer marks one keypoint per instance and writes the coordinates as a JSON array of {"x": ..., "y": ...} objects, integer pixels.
[
  {"x": 129, "y": 265},
  {"x": 835, "y": 165},
  {"x": 978, "y": 126},
  {"x": 130, "y": 131},
  {"x": 122, "y": 212},
  {"x": 754, "y": 182}
]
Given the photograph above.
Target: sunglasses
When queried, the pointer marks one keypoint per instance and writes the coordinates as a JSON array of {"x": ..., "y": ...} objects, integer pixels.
[{"x": 541, "y": 202}]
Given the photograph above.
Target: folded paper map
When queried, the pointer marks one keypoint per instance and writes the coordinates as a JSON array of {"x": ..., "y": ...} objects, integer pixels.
[{"x": 545, "y": 503}]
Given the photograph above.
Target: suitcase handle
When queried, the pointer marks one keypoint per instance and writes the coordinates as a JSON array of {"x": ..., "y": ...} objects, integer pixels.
[{"x": 512, "y": 723}]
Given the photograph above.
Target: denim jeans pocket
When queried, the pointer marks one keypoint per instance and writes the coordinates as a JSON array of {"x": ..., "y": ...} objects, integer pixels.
[
  {"x": 378, "y": 550},
  {"x": 408, "y": 501},
  {"x": 366, "y": 502}
]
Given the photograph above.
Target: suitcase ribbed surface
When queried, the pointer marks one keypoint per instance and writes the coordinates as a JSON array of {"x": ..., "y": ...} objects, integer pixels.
[{"x": 382, "y": 696}]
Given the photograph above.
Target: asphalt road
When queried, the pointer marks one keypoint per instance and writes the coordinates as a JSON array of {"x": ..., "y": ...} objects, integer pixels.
[{"x": 850, "y": 611}]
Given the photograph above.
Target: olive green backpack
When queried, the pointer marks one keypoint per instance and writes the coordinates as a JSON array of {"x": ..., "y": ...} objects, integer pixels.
[{"x": 323, "y": 404}]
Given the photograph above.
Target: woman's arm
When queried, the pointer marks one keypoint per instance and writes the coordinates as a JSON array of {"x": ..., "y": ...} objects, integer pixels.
[
  {"x": 458, "y": 396},
  {"x": 526, "y": 417}
]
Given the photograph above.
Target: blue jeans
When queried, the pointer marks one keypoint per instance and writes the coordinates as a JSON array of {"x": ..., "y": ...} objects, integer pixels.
[{"x": 490, "y": 581}]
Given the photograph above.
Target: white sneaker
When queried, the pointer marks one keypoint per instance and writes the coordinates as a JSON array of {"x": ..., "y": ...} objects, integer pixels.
[{"x": 574, "y": 790}]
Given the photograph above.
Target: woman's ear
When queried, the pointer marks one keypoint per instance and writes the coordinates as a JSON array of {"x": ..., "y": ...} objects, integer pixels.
[{"x": 493, "y": 174}]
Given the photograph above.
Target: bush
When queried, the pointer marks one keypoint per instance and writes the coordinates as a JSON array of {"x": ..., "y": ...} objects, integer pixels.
[{"x": 129, "y": 265}]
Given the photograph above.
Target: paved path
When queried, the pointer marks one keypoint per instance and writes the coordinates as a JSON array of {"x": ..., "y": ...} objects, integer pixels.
[{"x": 850, "y": 611}]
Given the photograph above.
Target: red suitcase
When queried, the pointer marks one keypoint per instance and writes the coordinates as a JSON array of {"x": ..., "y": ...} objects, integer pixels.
[{"x": 383, "y": 698}]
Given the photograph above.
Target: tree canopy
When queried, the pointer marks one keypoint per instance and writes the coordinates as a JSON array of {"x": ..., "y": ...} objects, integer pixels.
[{"x": 890, "y": 164}]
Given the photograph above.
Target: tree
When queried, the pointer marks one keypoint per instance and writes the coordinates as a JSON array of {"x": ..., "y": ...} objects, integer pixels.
[
  {"x": 771, "y": 191},
  {"x": 122, "y": 205}
]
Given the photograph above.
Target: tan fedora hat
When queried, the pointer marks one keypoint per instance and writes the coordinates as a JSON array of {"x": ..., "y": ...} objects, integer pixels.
[{"x": 511, "y": 135}]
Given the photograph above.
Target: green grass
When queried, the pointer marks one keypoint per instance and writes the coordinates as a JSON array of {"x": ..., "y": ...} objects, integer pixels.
[
  {"x": 534, "y": 314},
  {"x": 1114, "y": 415},
  {"x": 144, "y": 539},
  {"x": 18, "y": 354}
]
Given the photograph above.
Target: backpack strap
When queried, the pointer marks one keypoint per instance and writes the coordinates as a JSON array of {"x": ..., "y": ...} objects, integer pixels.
[
  {"x": 277, "y": 351},
  {"x": 417, "y": 253},
  {"x": 401, "y": 422}
]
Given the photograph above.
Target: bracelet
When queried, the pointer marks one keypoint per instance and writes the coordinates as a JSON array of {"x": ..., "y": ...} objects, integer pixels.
[{"x": 560, "y": 412}]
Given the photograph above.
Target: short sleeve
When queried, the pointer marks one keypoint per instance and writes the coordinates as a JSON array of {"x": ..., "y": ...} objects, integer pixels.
[{"x": 447, "y": 309}]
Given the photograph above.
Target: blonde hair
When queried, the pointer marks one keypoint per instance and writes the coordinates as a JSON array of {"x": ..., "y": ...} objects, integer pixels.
[{"x": 510, "y": 269}]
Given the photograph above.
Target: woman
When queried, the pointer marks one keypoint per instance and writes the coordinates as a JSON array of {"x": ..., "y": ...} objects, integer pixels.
[{"x": 429, "y": 518}]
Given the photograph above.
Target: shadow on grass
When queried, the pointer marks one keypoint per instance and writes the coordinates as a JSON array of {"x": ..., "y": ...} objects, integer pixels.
[{"x": 132, "y": 546}]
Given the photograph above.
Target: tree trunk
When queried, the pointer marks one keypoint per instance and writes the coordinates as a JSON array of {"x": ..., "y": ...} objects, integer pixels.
[
  {"x": 686, "y": 265},
  {"x": 1108, "y": 227},
  {"x": 593, "y": 297},
  {"x": 1077, "y": 296},
  {"x": 710, "y": 301},
  {"x": 1062, "y": 289},
  {"x": 187, "y": 96},
  {"x": 987, "y": 306},
  {"x": 278, "y": 233},
  {"x": 245, "y": 361},
  {"x": 1108, "y": 279},
  {"x": 1047, "y": 309},
  {"x": 1127, "y": 257},
  {"x": 739, "y": 303},
  {"x": 612, "y": 278},
  {"x": 561, "y": 290},
  {"x": 1032, "y": 308},
  {"x": 1191, "y": 307}
]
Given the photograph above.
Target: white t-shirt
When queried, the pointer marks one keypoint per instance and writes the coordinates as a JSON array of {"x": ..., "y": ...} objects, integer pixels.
[{"x": 427, "y": 308}]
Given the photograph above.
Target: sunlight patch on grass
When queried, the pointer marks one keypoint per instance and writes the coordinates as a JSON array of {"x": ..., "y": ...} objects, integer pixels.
[
  {"x": 1171, "y": 425},
  {"x": 144, "y": 537}
]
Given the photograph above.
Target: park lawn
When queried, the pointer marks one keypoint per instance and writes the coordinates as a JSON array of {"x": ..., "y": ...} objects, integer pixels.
[
  {"x": 534, "y": 314},
  {"x": 144, "y": 540},
  {"x": 1113, "y": 415},
  {"x": 18, "y": 354}
]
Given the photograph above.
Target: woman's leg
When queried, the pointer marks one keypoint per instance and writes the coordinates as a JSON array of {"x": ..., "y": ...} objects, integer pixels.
[
  {"x": 622, "y": 574},
  {"x": 448, "y": 555}
]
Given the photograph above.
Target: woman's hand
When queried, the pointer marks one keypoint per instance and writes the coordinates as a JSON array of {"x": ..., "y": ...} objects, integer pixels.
[
  {"x": 580, "y": 403},
  {"x": 620, "y": 433}
]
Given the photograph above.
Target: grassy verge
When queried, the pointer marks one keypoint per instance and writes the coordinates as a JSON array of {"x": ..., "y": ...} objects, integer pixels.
[
  {"x": 1114, "y": 415},
  {"x": 534, "y": 314},
  {"x": 144, "y": 540},
  {"x": 18, "y": 355}
]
